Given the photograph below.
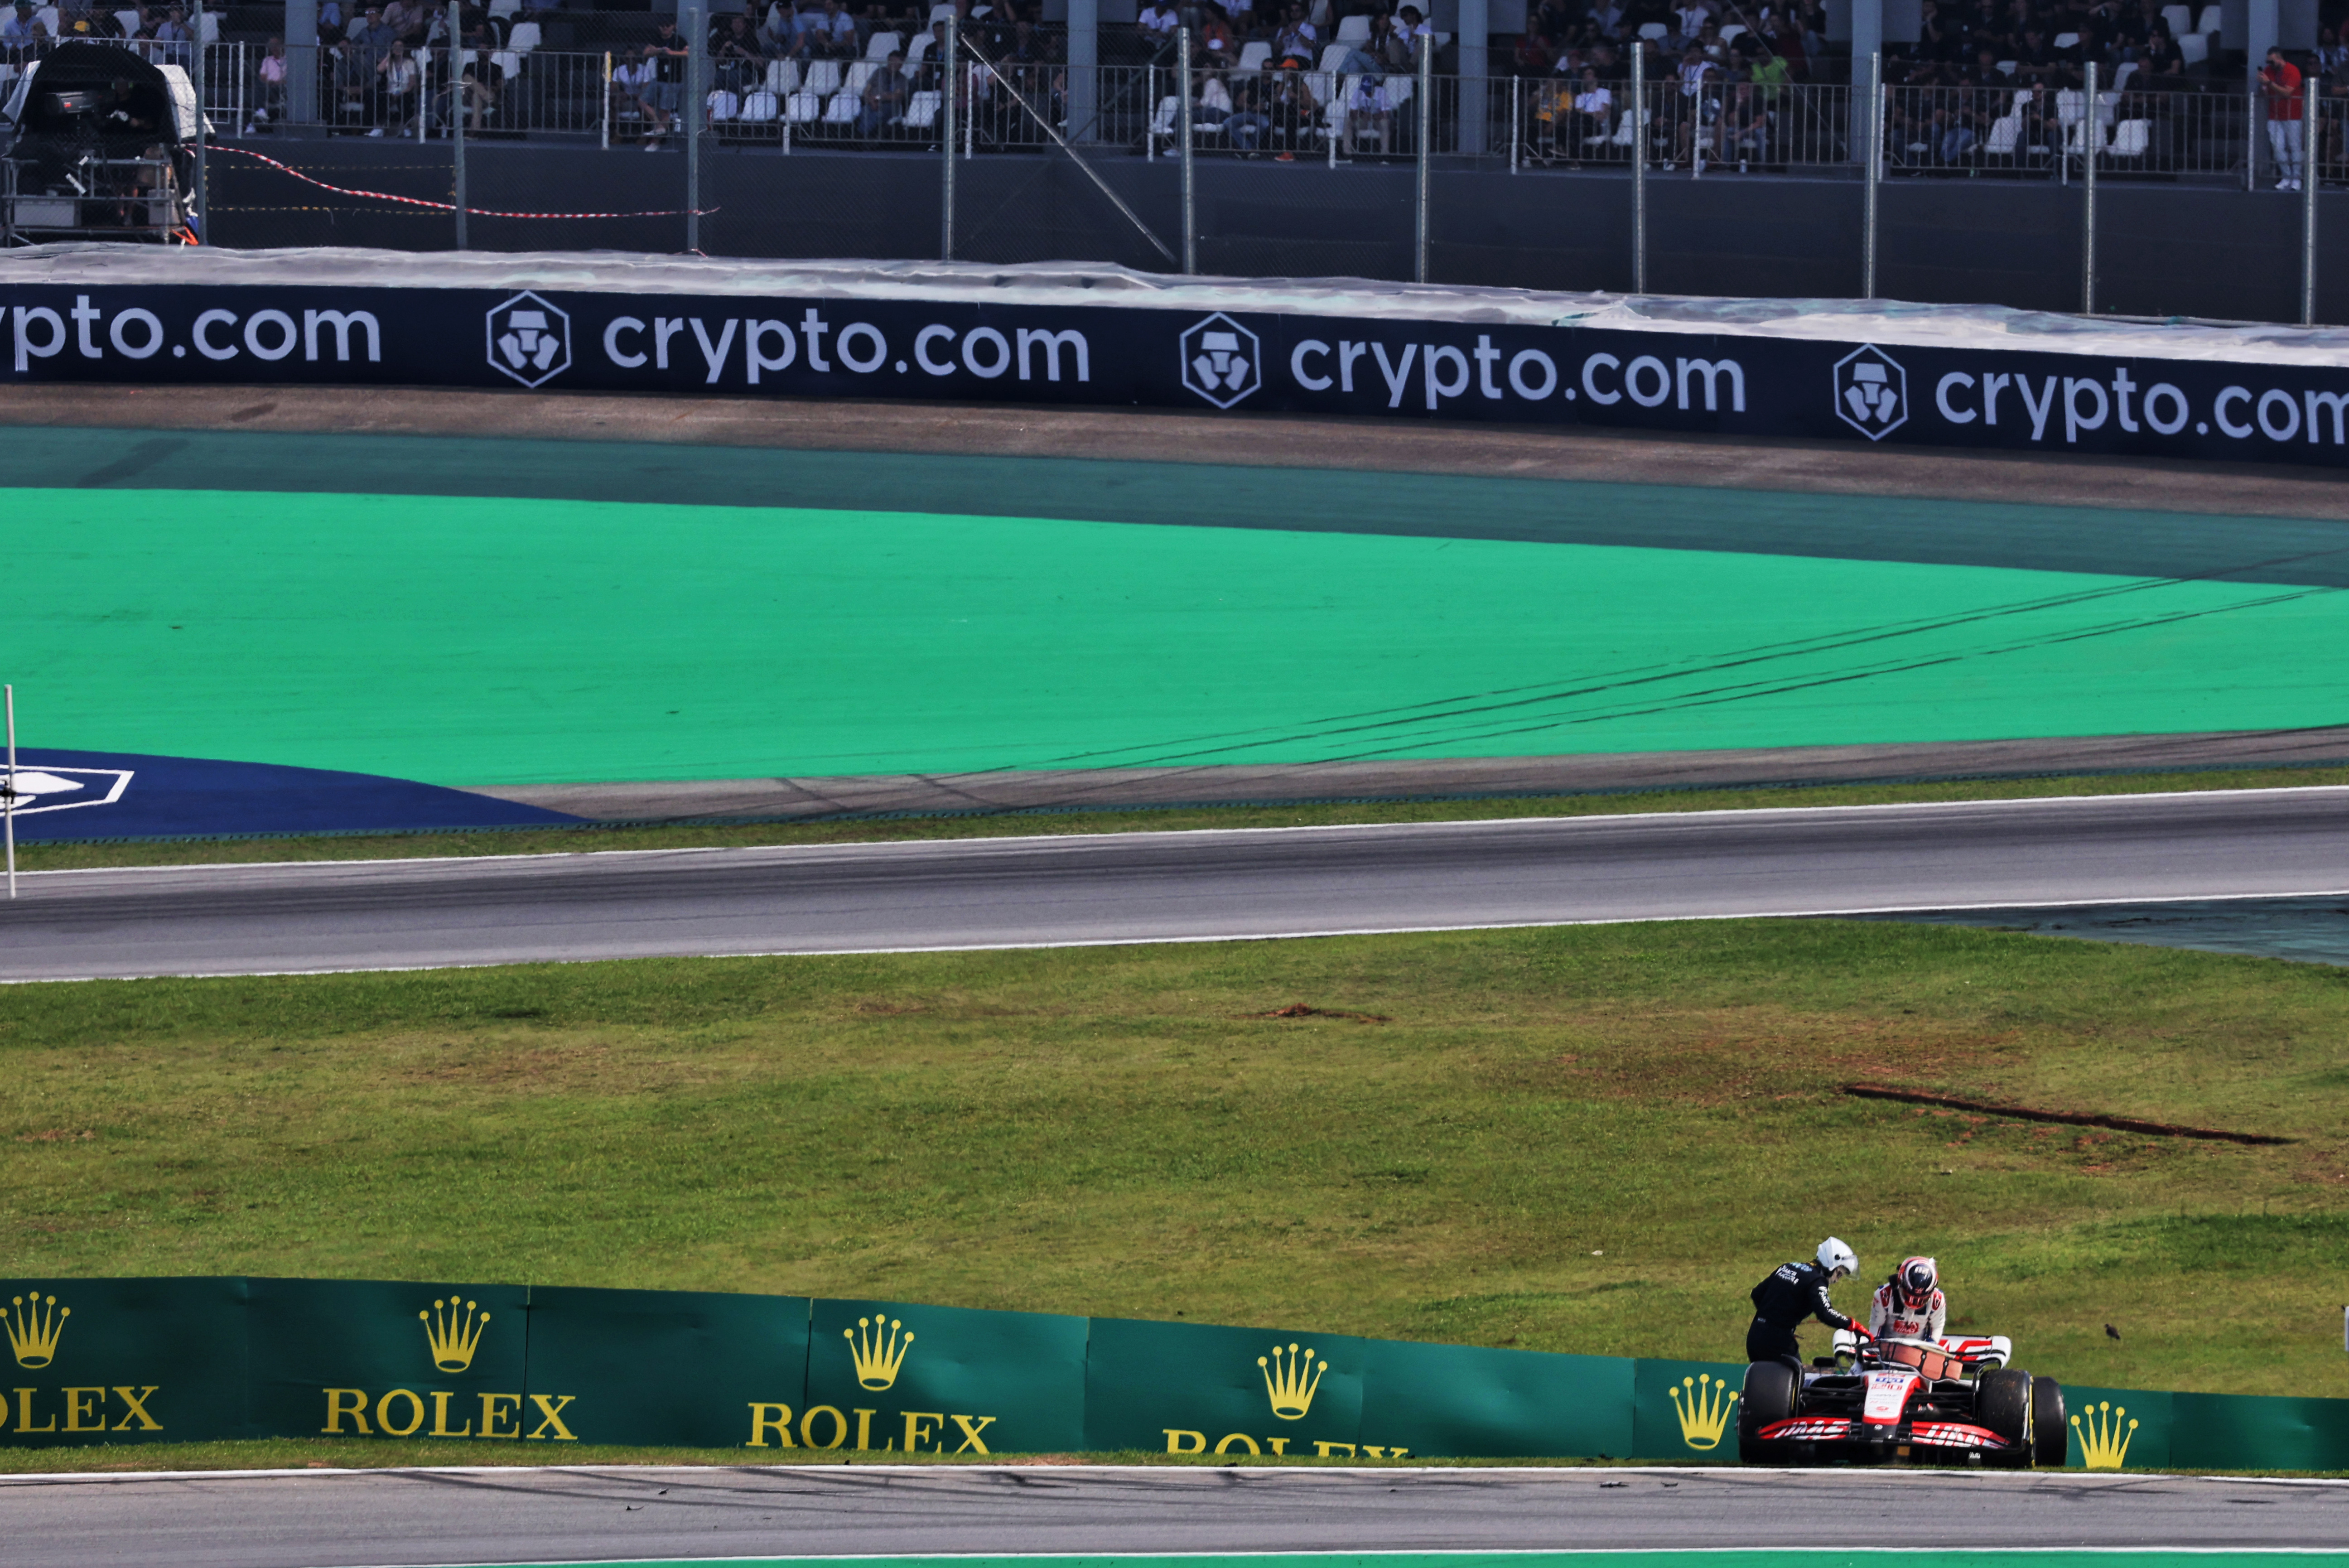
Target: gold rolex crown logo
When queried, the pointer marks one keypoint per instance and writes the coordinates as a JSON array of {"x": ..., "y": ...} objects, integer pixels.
[
  {"x": 2104, "y": 1443},
  {"x": 33, "y": 1327},
  {"x": 452, "y": 1337},
  {"x": 1289, "y": 1381},
  {"x": 878, "y": 1350},
  {"x": 1704, "y": 1411}
]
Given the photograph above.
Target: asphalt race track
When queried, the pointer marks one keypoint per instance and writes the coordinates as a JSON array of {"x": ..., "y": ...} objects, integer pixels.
[
  {"x": 1177, "y": 886},
  {"x": 330, "y": 1519}
]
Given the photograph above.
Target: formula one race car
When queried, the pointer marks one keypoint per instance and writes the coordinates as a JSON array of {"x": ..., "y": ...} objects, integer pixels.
[{"x": 1952, "y": 1400}]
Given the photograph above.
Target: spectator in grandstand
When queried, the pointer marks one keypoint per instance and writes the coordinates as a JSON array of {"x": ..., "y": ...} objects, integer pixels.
[
  {"x": 1156, "y": 27},
  {"x": 734, "y": 52},
  {"x": 1783, "y": 41},
  {"x": 480, "y": 78},
  {"x": 1412, "y": 28},
  {"x": 171, "y": 33},
  {"x": 1594, "y": 115},
  {"x": 775, "y": 30},
  {"x": 829, "y": 34},
  {"x": 1248, "y": 123},
  {"x": 2279, "y": 86},
  {"x": 886, "y": 93},
  {"x": 2331, "y": 55},
  {"x": 404, "y": 20},
  {"x": 369, "y": 39},
  {"x": 2040, "y": 136},
  {"x": 1699, "y": 105},
  {"x": 396, "y": 89},
  {"x": 269, "y": 98},
  {"x": 1294, "y": 110},
  {"x": 2037, "y": 62},
  {"x": 1687, "y": 19},
  {"x": 1297, "y": 36},
  {"x": 663, "y": 61},
  {"x": 1369, "y": 113},
  {"x": 1026, "y": 45},
  {"x": 630, "y": 79},
  {"x": 2162, "y": 64},
  {"x": 1215, "y": 43},
  {"x": 20, "y": 32}
]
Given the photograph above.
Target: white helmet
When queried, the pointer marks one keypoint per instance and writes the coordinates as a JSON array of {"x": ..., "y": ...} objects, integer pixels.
[{"x": 1837, "y": 1258}]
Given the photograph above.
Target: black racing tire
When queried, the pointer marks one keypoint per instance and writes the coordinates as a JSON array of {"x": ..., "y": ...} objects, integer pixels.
[
  {"x": 2002, "y": 1404},
  {"x": 2050, "y": 1439},
  {"x": 1770, "y": 1391}
]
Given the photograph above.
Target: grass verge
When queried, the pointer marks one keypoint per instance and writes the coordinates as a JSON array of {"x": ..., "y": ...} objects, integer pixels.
[
  {"x": 1178, "y": 819},
  {"x": 1587, "y": 1138}
]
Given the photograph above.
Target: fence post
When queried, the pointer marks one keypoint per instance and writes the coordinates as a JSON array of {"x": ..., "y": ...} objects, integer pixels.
[
  {"x": 1871, "y": 179},
  {"x": 456, "y": 118},
  {"x": 1084, "y": 70},
  {"x": 697, "y": 110},
  {"x": 2309, "y": 178},
  {"x": 607, "y": 120},
  {"x": 301, "y": 61},
  {"x": 423, "y": 89},
  {"x": 1639, "y": 112},
  {"x": 1472, "y": 110},
  {"x": 1150, "y": 113},
  {"x": 1427, "y": 154},
  {"x": 2253, "y": 115},
  {"x": 2092, "y": 136},
  {"x": 949, "y": 77},
  {"x": 197, "y": 78},
  {"x": 1183, "y": 125},
  {"x": 1516, "y": 121}
]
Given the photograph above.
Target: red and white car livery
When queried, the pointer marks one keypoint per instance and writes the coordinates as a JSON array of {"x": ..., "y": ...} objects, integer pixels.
[{"x": 1953, "y": 1399}]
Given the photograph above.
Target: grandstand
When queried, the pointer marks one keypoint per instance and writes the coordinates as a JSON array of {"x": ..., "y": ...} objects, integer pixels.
[{"x": 1989, "y": 117}]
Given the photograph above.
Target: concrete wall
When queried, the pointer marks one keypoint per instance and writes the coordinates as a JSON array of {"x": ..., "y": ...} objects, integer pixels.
[{"x": 2163, "y": 249}]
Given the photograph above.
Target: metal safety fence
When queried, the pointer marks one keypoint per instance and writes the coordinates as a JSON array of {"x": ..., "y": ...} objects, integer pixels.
[{"x": 1134, "y": 137}]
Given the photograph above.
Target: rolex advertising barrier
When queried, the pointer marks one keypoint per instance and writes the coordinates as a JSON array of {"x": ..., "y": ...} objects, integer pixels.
[
  {"x": 1964, "y": 378},
  {"x": 784, "y": 1378}
]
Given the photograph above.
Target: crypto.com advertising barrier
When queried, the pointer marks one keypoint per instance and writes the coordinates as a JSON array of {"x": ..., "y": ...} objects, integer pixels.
[{"x": 967, "y": 351}]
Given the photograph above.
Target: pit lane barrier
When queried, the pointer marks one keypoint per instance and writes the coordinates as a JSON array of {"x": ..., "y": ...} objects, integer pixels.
[
  {"x": 1066, "y": 334},
  {"x": 785, "y": 1378}
]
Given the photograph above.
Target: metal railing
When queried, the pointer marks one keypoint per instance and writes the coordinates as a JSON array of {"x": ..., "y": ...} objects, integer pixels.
[
  {"x": 2050, "y": 132},
  {"x": 1529, "y": 124}
]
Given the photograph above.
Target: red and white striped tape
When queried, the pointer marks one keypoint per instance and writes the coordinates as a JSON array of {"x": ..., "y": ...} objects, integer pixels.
[{"x": 450, "y": 206}]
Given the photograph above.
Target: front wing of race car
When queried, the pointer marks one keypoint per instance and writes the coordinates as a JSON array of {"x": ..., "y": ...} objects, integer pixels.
[{"x": 1830, "y": 1429}]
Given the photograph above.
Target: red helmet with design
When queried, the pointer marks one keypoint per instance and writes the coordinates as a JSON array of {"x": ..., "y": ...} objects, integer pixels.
[{"x": 1916, "y": 1279}]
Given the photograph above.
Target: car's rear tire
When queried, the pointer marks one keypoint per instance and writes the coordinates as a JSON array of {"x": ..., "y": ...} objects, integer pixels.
[
  {"x": 2002, "y": 1404},
  {"x": 1769, "y": 1396},
  {"x": 2051, "y": 1441}
]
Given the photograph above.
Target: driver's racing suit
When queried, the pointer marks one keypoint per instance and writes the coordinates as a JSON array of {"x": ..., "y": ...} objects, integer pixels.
[
  {"x": 1793, "y": 1292},
  {"x": 1893, "y": 1314}
]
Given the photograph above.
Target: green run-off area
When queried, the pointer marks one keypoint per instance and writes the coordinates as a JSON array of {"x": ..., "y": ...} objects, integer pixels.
[{"x": 484, "y": 640}]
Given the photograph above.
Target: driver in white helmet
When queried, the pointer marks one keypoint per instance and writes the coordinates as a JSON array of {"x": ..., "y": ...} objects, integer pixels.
[
  {"x": 1793, "y": 1293},
  {"x": 1910, "y": 1305}
]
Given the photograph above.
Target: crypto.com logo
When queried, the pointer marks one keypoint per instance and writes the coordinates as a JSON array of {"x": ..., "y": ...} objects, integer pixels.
[
  {"x": 1871, "y": 392},
  {"x": 529, "y": 340},
  {"x": 1221, "y": 361}
]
